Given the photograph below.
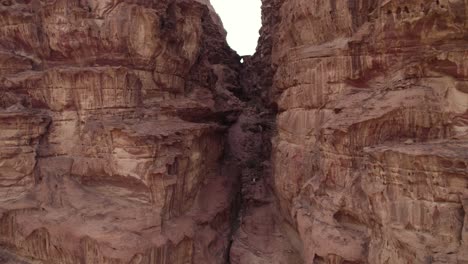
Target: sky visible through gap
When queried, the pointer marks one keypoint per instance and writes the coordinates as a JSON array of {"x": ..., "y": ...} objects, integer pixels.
[{"x": 242, "y": 21}]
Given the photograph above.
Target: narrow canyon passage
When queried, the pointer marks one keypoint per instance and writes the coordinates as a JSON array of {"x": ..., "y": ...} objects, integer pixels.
[{"x": 131, "y": 133}]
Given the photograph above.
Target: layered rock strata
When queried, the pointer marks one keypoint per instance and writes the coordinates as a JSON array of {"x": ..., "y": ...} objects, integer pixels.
[
  {"x": 113, "y": 117},
  {"x": 369, "y": 158},
  {"x": 123, "y": 136}
]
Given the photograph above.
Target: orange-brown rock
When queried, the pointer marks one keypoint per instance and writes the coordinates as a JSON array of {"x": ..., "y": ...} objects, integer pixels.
[
  {"x": 112, "y": 124},
  {"x": 369, "y": 158},
  {"x": 123, "y": 138}
]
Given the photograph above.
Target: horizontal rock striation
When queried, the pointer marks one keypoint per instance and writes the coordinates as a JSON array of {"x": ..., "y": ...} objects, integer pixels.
[
  {"x": 130, "y": 133},
  {"x": 112, "y": 128},
  {"x": 370, "y": 150}
]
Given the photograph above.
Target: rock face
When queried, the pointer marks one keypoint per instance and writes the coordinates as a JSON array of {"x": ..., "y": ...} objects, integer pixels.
[
  {"x": 112, "y": 127},
  {"x": 369, "y": 159},
  {"x": 131, "y": 133}
]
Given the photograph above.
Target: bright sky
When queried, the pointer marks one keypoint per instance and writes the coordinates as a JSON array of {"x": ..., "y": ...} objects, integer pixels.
[{"x": 242, "y": 21}]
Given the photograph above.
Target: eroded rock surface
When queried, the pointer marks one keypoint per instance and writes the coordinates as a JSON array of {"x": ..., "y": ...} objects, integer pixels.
[
  {"x": 123, "y": 133},
  {"x": 369, "y": 157},
  {"x": 113, "y": 117}
]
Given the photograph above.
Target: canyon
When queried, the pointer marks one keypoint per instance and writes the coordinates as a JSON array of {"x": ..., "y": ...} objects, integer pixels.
[{"x": 131, "y": 133}]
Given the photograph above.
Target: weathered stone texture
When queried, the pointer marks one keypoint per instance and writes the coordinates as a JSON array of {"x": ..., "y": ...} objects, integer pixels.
[
  {"x": 351, "y": 146},
  {"x": 369, "y": 156},
  {"x": 112, "y": 123}
]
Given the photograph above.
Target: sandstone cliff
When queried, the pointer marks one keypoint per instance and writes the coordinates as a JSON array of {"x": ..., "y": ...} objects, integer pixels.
[
  {"x": 112, "y": 123},
  {"x": 131, "y": 133},
  {"x": 369, "y": 157}
]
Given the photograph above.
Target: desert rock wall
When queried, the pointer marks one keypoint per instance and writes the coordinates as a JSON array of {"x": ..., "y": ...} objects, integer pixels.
[
  {"x": 113, "y": 118},
  {"x": 131, "y": 133},
  {"x": 369, "y": 155}
]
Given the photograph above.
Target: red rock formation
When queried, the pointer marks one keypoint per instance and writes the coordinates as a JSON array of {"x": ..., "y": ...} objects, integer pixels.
[
  {"x": 121, "y": 137},
  {"x": 369, "y": 158},
  {"x": 112, "y": 120}
]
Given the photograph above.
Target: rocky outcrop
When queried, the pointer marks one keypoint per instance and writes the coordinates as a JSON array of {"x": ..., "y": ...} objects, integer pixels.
[
  {"x": 369, "y": 155},
  {"x": 113, "y": 117}
]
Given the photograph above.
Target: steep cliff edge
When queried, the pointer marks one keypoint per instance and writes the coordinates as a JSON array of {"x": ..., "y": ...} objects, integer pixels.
[
  {"x": 369, "y": 155},
  {"x": 113, "y": 117}
]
